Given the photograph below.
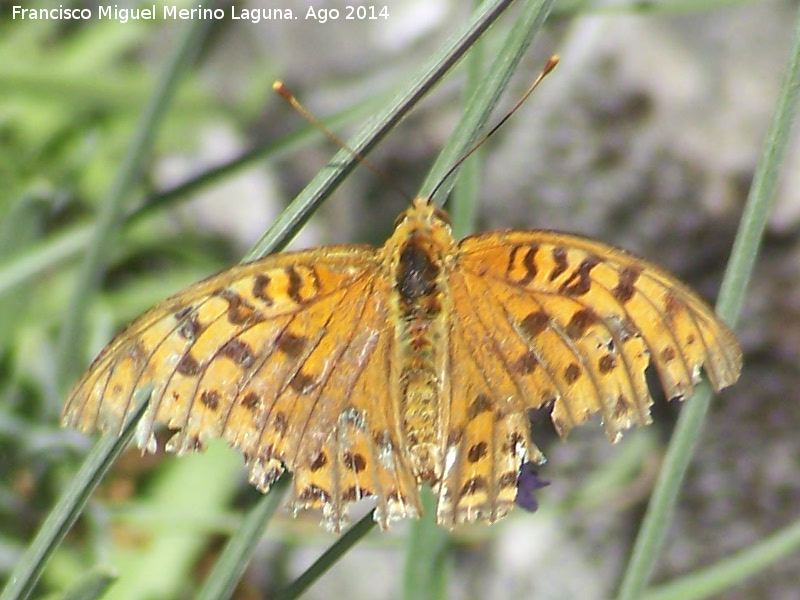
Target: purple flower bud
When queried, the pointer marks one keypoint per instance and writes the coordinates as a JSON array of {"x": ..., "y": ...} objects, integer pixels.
[{"x": 528, "y": 482}]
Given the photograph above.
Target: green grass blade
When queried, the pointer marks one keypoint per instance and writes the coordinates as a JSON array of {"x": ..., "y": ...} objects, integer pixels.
[
  {"x": 329, "y": 558},
  {"x": 201, "y": 485},
  {"x": 426, "y": 570},
  {"x": 272, "y": 150},
  {"x": 425, "y": 575},
  {"x": 93, "y": 585},
  {"x": 230, "y": 565},
  {"x": 532, "y": 16},
  {"x": 301, "y": 208},
  {"x": 112, "y": 210},
  {"x": 465, "y": 200},
  {"x": 21, "y": 224},
  {"x": 731, "y": 571},
  {"x": 63, "y": 246},
  {"x": 38, "y": 258},
  {"x": 740, "y": 267},
  {"x": 71, "y": 503}
]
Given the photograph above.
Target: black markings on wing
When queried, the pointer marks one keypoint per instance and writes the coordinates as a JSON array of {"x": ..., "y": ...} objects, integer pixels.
[
  {"x": 355, "y": 413},
  {"x": 323, "y": 409},
  {"x": 634, "y": 310},
  {"x": 487, "y": 438},
  {"x": 568, "y": 367},
  {"x": 102, "y": 398}
]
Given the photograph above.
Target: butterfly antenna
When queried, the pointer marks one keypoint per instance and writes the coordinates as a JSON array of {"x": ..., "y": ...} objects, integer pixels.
[
  {"x": 548, "y": 67},
  {"x": 284, "y": 93}
]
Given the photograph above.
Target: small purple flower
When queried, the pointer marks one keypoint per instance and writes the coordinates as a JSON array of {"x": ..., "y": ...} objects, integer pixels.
[{"x": 528, "y": 482}]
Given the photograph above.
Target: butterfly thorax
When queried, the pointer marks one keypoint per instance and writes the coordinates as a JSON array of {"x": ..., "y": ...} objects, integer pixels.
[{"x": 418, "y": 252}]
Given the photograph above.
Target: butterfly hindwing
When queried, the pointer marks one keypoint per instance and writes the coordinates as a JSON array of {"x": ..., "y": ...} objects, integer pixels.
[
  {"x": 362, "y": 454},
  {"x": 487, "y": 435}
]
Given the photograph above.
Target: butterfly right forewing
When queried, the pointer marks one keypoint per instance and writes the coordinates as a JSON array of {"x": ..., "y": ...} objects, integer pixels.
[{"x": 579, "y": 321}]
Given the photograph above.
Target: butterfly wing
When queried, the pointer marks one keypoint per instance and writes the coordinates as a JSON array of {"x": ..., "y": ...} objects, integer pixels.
[
  {"x": 574, "y": 324},
  {"x": 282, "y": 358},
  {"x": 487, "y": 429}
]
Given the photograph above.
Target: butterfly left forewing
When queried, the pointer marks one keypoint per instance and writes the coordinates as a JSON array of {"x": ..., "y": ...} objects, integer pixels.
[
  {"x": 289, "y": 359},
  {"x": 204, "y": 346},
  {"x": 591, "y": 318}
]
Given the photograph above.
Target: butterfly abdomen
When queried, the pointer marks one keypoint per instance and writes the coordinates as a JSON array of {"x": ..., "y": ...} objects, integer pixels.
[{"x": 420, "y": 326}]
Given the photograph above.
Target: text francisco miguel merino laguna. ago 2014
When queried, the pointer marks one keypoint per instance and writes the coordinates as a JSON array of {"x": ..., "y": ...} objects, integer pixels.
[{"x": 150, "y": 13}]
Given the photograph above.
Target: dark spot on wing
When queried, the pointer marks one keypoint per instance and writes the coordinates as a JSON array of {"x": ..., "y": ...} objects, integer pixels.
[
  {"x": 211, "y": 399},
  {"x": 508, "y": 479},
  {"x": 606, "y": 363},
  {"x": 240, "y": 312},
  {"x": 355, "y": 461},
  {"x": 560, "y": 258},
  {"x": 626, "y": 287},
  {"x": 455, "y": 436},
  {"x": 280, "y": 423},
  {"x": 525, "y": 364},
  {"x": 251, "y": 401},
  {"x": 572, "y": 373},
  {"x": 474, "y": 485},
  {"x": 313, "y": 493},
  {"x": 261, "y": 285},
  {"x": 580, "y": 281},
  {"x": 477, "y": 452},
  {"x": 295, "y": 285},
  {"x": 239, "y": 352},
  {"x": 479, "y": 405},
  {"x": 188, "y": 366},
  {"x": 529, "y": 263},
  {"x": 290, "y": 344},
  {"x": 302, "y": 383},
  {"x": 320, "y": 460},
  {"x": 534, "y": 324},
  {"x": 580, "y": 322}
]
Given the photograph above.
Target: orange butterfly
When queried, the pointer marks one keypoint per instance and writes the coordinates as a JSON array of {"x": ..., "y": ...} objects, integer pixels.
[{"x": 367, "y": 372}]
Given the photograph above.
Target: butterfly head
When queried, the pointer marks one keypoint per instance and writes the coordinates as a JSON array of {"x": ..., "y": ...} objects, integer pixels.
[{"x": 427, "y": 225}]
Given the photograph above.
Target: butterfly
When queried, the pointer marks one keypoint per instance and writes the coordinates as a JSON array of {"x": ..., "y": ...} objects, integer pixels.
[{"x": 367, "y": 372}]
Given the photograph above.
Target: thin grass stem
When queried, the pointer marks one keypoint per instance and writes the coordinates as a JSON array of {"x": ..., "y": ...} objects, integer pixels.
[{"x": 737, "y": 276}]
